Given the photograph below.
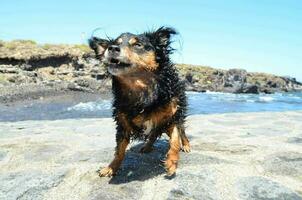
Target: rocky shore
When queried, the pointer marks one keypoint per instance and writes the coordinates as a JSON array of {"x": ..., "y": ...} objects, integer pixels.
[
  {"x": 234, "y": 156},
  {"x": 30, "y": 70}
]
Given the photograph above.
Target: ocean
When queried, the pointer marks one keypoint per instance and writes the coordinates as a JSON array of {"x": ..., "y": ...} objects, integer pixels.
[{"x": 199, "y": 103}]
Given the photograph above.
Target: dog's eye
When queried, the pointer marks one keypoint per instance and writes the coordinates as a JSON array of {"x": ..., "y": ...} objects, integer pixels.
[{"x": 138, "y": 45}]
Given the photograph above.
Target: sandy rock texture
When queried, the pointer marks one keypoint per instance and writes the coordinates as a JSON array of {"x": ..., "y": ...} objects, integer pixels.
[{"x": 234, "y": 156}]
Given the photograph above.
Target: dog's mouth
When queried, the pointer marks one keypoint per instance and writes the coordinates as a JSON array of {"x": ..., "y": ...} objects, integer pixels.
[{"x": 117, "y": 63}]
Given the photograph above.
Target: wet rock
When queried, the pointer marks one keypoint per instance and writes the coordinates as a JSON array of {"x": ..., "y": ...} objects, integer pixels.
[
  {"x": 31, "y": 184},
  {"x": 43, "y": 153},
  {"x": 285, "y": 163},
  {"x": 97, "y": 156},
  {"x": 59, "y": 160},
  {"x": 141, "y": 167},
  {"x": 252, "y": 188},
  {"x": 106, "y": 191},
  {"x": 202, "y": 185},
  {"x": 295, "y": 140},
  {"x": 199, "y": 159},
  {"x": 252, "y": 89}
]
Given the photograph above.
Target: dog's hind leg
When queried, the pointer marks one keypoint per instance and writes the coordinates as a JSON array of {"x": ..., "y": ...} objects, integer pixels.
[
  {"x": 173, "y": 153},
  {"x": 119, "y": 155},
  {"x": 184, "y": 140}
]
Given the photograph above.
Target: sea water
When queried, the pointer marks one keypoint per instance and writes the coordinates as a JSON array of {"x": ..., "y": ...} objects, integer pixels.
[{"x": 198, "y": 103}]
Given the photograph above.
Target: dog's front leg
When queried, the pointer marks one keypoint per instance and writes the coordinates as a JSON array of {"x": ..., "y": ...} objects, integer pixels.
[
  {"x": 119, "y": 155},
  {"x": 173, "y": 153},
  {"x": 124, "y": 130}
]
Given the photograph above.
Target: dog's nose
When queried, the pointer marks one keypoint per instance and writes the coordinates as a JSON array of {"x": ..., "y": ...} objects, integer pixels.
[{"x": 114, "y": 49}]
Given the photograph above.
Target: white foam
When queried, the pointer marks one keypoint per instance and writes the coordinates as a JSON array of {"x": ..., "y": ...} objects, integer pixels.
[
  {"x": 266, "y": 98},
  {"x": 91, "y": 106},
  {"x": 250, "y": 101}
]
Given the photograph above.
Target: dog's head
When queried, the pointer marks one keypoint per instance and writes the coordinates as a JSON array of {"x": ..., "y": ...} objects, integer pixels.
[{"x": 130, "y": 52}]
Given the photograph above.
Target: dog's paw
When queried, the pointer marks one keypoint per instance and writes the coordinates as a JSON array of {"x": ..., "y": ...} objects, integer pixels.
[
  {"x": 106, "y": 171},
  {"x": 146, "y": 149},
  {"x": 170, "y": 166},
  {"x": 186, "y": 148}
]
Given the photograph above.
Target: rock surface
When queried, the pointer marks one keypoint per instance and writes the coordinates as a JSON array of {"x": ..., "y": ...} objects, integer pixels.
[
  {"x": 234, "y": 156},
  {"x": 201, "y": 78},
  {"x": 73, "y": 68}
]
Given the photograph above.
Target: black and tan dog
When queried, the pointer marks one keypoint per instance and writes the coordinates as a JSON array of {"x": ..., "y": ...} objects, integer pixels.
[{"x": 149, "y": 98}]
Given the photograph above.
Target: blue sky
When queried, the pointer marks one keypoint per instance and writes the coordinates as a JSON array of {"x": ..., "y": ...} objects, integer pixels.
[{"x": 257, "y": 35}]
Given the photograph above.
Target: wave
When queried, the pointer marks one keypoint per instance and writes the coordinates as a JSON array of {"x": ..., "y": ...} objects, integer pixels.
[
  {"x": 199, "y": 103},
  {"x": 215, "y": 102},
  {"x": 91, "y": 106},
  {"x": 266, "y": 98}
]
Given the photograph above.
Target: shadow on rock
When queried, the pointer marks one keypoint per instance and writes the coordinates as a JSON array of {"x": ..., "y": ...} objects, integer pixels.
[{"x": 140, "y": 167}]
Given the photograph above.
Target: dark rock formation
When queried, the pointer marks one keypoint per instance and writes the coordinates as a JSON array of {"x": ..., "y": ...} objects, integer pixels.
[
  {"x": 235, "y": 81},
  {"x": 200, "y": 78},
  {"x": 75, "y": 68}
]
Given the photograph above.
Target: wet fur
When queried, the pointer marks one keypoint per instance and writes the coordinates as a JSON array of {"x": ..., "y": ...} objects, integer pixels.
[{"x": 151, "y": 95}]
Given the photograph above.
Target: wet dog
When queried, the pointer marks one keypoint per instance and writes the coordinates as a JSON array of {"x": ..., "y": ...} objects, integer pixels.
[{"x": 149, "y": 98}]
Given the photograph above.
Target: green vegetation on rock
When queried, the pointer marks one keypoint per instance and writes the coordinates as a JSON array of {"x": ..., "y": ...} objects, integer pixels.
[{"x": 28, "y": 49}]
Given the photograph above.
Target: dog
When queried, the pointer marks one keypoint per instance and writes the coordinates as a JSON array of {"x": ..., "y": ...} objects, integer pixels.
[{"x": 149, "y": 97}]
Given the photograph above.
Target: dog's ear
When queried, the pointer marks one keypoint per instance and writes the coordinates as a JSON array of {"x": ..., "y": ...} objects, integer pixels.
[
  {"x": 98, "y": 45},
  {"x": 162, "y": 36}
]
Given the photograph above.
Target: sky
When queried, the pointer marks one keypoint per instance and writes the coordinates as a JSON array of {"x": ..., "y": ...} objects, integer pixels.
[{"x": 256, "y": 35}]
